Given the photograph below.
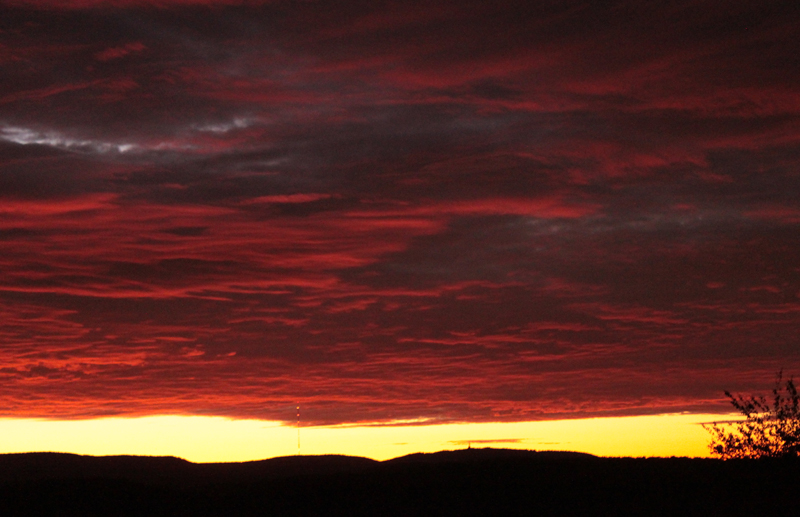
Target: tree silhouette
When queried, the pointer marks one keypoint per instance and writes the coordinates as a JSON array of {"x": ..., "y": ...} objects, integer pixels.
[{"x": 767, "y": 431}]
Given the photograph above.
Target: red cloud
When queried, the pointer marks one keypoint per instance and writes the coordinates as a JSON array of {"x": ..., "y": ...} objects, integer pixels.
[
  {"x": 23, "y": 208},
  {"x": 122, "y": 4},
  {"x": 119, "y": 52},
  {"x": 442, "y": 212},
  {"x": 783, "y": 214}
]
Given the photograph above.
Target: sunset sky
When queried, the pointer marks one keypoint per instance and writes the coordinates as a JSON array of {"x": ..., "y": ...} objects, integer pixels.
[{"x": 429, "y": 213}]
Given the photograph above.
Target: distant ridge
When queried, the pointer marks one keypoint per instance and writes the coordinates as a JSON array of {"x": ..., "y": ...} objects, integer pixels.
[
  {"x": 487, "y": 453},
  {"x": 31, "y": 466},
  {"x": 168, "y": 470},
  {"x": 462, "y": 482}
]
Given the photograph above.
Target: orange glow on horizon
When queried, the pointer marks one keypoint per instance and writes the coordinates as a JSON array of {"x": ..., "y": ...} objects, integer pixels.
[{"x": 218, "y": 439}]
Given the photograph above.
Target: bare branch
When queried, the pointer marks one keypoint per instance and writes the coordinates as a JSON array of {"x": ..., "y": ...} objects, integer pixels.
[{"x": 767, "y": 431}]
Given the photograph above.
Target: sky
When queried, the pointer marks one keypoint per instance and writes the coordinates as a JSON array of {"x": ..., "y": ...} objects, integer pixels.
[{"x": 420, "y": 213}]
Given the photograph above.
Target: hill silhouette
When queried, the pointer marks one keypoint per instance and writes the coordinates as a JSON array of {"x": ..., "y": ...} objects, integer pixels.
[
  {"x": 167, "y": 470},
  {"x": 464, "y": 482}
]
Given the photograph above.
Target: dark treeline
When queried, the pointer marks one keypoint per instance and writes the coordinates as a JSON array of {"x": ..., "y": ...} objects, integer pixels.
[{"x": 467, "y": 482}]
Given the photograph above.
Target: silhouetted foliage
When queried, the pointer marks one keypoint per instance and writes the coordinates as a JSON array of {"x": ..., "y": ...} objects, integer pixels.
[{"x": 767, "y": 431}]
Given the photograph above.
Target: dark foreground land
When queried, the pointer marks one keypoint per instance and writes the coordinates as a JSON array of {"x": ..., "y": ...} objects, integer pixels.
[{"x": 466, "y": 482}]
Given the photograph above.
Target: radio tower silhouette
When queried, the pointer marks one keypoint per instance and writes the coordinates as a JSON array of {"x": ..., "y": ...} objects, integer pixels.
[{"x": 298, "y": 429}]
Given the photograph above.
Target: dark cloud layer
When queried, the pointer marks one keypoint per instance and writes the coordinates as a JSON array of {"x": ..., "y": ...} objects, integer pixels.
[{"x": 449, "y": 211}]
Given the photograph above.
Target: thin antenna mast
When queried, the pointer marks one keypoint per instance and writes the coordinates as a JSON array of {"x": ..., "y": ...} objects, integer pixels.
[{"x": 298, "y": 429}]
